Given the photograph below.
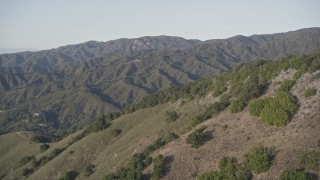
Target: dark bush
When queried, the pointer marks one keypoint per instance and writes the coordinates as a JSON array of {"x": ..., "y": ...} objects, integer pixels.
[
  {"x": 26, "y": 172},
  {"x": 115, "y": 132},
  {"x": 171, "y": 116},
  {"x": 27, "y": 159},
  {"x": 41, "y": 139},
  {"x": 44, "y": 147},
  {"x": 147, "y": 161},
  {"x": 56, "y": 152},
  {"x": 196, "y": 137},
  {"x": 98, "y": 124},
  {"x": 217, "y": 107},
  {"x": 68, "y": 175},
  {"x": 89, "y": 169},
  {"x": 199, "y": 119}
]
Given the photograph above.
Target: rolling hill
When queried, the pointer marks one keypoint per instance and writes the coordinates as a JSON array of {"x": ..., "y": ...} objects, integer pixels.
[
  {"x": 219, "y": 130},
  {"x": 66, "y": 88}
]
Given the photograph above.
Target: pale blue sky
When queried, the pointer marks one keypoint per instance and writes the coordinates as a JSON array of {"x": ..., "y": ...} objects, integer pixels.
[{"x": 44, "y": 24}]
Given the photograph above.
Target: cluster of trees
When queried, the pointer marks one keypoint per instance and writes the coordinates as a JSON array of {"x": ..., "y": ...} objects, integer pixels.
[
  {"x": 36, "y": 163},
  {"x": 27, "y": 159},
  {"x": 158, "y": 167},
  {"x": 229, "y": 168},
  {"x": 259, "y": 160},
  {"x": 140, "y": 161},
  {"x": 213, "y": 109},
  {"x": 45, "y": 159}
]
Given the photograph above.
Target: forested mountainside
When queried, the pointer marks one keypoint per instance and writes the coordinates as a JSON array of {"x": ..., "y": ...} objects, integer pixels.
[
  {"x": 260, "y": 120},
  {"x": 67, "y": 87}
]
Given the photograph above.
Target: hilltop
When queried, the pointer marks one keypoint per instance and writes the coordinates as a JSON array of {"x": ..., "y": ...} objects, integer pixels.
[
  {"x": 222, "y": 126},
  {"x": 60, "y": 90}
]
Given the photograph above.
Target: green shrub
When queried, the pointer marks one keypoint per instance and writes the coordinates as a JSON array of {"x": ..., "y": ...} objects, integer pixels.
[
  {"x": 229, "y": 169},
  {"x": 256, "y": 106},
  {"x": 44, "y": 147},
  {"x": 274, "y": 114},
  {"x": 199, "y": 119},
  {"x": 56, "y": 152},
  {"x": 286, "y": 85},
  {"x": 259, "y": 159},
  {"x": 217, "y": 107},
  {"x": 297, "y": 75},
  {"x": 158, "y": 167},
  {"x": 147, "y": 161},
  {"x": 237, "y": 105},
  {"x": 310, "y": 92},
  {"x": 171, "y": 116},
  {"x": 98, "y": 124},
  {"x": 294, "y": 174},
  {"x": 218, "y": 89},
  {"x": 26, "y": 172},
  {"x": 170, "y": 137},
  {"x": 196, "y": 137},
  {"x": 311, "y": 160},
  {"x": 278, "y": 110},
  {"x": 27, "y": 159},
  {"x": 160, "y": 142},
  {"x": 115, "y": 132}
]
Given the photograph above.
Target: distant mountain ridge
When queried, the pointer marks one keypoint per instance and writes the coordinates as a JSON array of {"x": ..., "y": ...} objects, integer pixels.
[
  {"x": 73, "y": 84},
  {"x": 55, "y": 59}
]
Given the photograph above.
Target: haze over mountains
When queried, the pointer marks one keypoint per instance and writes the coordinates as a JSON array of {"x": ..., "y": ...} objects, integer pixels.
[{"x": 69, "y": 86}]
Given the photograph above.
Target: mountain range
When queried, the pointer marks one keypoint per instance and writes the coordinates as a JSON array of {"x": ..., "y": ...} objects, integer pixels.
[{"x": 66, "y": 88}]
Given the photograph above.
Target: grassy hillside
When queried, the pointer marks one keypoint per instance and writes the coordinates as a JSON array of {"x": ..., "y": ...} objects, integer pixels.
[
  {"x": 216, "y": 115},
  {"x": 15, "y": 146}
]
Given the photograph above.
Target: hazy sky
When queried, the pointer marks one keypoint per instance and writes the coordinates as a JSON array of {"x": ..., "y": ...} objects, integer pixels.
[{"x": 44, "y": 24}]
